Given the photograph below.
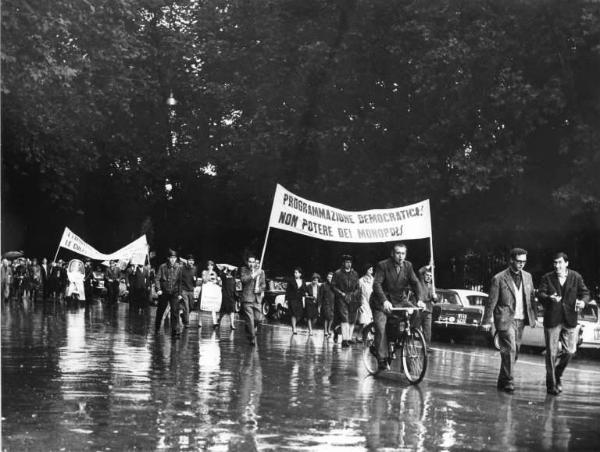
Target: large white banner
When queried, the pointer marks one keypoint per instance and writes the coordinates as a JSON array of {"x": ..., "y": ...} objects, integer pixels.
[
  {"x": 136, "y": 251},
  {"x": 295, "y": 214}
]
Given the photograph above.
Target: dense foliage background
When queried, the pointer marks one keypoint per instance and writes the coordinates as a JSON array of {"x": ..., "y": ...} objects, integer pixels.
[{"x": 489, "y": 109}]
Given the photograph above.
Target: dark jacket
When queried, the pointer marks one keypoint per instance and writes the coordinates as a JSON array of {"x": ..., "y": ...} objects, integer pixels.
[
  {"x": 138, "y": 279},
  {"x": 345, "y": 284},
  {"x": 574, "y": 289},
  {"x": 501, "y": 301},
  {"x": 188, "y": 277},
  {"x": 293, "y": 293},
  {"x": 389, "y": 285},
  {"x": 168, "y": 278},
  {"x": 249, "y": 285}
]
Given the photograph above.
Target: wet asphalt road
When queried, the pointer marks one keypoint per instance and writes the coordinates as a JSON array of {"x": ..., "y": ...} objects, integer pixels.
[{"x": 94, "y": 377}]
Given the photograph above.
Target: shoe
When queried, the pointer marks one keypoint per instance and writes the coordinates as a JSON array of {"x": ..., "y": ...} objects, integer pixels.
[
  {"x": 251, "y": 341},
  {"x": 325, "y": 334},
  {"x": 553, "y": 391},
  {"x": 233, "y": 327},
  {"x": 358, "y": 340},
  {"x": 345, "y": 344},
  {"x": 199, "y": 325},
  {"x": 382, "y": 364},
  {"x": 509, "y": 388},
  {"x": 294, "y": 332},
  {"x": 335, "y": 336},
  {"x": 558, "y": 385},
  {"x": 429, "y": 350}
]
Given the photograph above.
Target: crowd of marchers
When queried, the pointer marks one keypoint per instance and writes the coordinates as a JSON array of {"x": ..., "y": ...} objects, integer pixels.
[{"x": 345, "y": 302}]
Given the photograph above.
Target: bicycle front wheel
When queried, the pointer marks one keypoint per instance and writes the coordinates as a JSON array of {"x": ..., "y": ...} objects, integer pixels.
[
  {"x": 414, "y": 356},
  {"x": 369, "y": 356}
]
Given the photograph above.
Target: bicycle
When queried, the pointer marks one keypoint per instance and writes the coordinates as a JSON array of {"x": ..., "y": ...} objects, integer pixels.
[{"x": 402, "y": 338}]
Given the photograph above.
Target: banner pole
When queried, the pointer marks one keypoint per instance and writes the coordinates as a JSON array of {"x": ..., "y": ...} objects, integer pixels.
[
  {"x": 56, "y": 255},
  {"x": 431, "y": 261},
  {"x": 262, "y": 256}
]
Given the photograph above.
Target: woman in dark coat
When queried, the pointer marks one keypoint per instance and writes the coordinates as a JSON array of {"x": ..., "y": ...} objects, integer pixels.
[
  {"x": 313, "y": 293},
  {"x": 294, "y": 294},
  {"x": 230, "y": 297},
  {"x": 327, "y": 302}
]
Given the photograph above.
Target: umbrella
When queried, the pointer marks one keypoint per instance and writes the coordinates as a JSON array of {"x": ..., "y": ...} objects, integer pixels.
[{"x": 13, "y": 254}]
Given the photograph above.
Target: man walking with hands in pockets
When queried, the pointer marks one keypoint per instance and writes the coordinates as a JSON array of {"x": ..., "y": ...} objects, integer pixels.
[
  {"x": 511, "y": 303},
  {"x": 563, "y": 293}
]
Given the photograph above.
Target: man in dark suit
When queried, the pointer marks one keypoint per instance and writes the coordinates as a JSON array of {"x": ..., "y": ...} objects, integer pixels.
[
  {"x": 253, "y": 287},
  {"x": 394, "y": 277},
  {"x": 511, "y": 302},
  {"x": 563, "y": 293}
]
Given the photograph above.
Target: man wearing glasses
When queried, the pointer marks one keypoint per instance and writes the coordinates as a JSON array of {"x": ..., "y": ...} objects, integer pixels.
[{"x": 511, "y": 302}]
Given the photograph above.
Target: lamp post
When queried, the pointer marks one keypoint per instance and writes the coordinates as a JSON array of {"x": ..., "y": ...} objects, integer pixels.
[{"x": 171, "y": 102}]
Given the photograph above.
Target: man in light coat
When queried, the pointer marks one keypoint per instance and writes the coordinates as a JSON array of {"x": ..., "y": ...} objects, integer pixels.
[{"x": 511, "y": 302}]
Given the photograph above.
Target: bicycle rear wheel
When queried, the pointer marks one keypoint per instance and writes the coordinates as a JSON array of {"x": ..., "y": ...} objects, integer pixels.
[
  {"x": 369, "y": 357},
  {"x": 414, "y": 356}
]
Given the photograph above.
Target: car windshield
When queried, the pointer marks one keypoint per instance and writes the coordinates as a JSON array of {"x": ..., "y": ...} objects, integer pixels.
[
  {"x": 449, "y": 297},
  {"x": 477, "y": 300},
  {"x": 589, "y": 313},
  {"x": 277, "y": 285}
]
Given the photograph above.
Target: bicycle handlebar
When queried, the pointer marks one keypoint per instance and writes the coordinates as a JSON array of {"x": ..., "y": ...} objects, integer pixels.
[{"x": 408, "y": 309}]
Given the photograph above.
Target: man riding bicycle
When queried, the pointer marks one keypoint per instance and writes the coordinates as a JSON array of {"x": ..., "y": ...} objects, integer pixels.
[{"x": 394, "y": 277}]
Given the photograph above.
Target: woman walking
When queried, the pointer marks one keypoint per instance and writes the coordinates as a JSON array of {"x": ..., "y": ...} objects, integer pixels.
[
  {"x": 294, "y": 294},
  {"x": 327, "y": 302},
  {"x": 211, "y": 283},
  {"x": 311, "y": 308},
  {"x": 365, "y": 315},
  {"x": 230, "y": 297}
]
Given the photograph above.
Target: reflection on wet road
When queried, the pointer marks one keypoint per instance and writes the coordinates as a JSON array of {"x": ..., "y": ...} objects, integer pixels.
[{"x": 96, "y": 377}]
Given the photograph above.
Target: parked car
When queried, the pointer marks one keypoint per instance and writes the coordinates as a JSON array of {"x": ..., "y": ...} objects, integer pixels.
[
  {"x": 590, "y": 321},
  {"x": 459, "y": 313},
  {"x": 534, "y": 337},
  {"x": 274, "y": 303}
]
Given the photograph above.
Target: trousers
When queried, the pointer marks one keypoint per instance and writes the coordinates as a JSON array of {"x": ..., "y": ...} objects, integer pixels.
[
  {"x": 561, "y": 344},
  {"x": 510, "y": 344},
  {"x": 171, "y": 300}
]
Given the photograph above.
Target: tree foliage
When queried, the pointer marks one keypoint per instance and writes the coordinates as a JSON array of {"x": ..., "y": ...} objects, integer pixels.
[{"x": 490, "y": 109}]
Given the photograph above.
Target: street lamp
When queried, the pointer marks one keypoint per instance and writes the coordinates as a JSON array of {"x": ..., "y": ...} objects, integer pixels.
[{"x": 171, "y": 101}]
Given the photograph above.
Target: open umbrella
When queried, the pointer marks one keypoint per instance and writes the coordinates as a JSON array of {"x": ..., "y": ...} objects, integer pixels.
[{"x": 13, "y": 254}]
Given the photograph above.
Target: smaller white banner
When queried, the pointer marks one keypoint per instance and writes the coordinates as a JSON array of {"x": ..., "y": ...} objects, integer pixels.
[{"x": 134, "y": 252}]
